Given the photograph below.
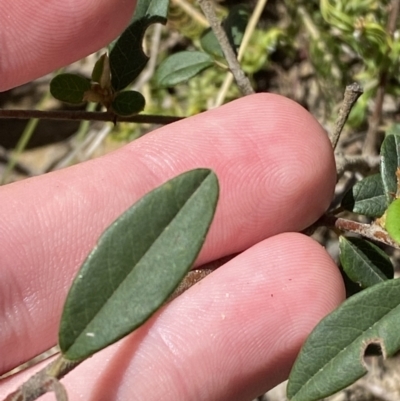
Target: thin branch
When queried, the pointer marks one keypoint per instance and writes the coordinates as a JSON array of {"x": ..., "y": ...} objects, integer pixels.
[
  {"x": 250, "y": 28},
  {"x": 44, "y": 381},
  {"x": 87, "y": 115},
  {"x": 241, "y": 79},
  {"x": 372, "y": 138},
  {"x": 351, "y": 94},
  {"x": 371, "y": 231}
]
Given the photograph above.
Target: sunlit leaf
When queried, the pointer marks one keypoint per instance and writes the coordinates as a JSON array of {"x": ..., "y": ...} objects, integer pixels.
[
  {"x": 392, "y": 220},
  {"x": 127, "y": 103},
  {"x": 332, "y": 356},
  {"x": 390, "y": 154},
  {"x": 366, "y": 197},
  {"x": 363, "y": 262},
  {"x": 137, "y": 263},
  {"x": 69, "y": 88},
  {"x": 181, "y": 66}
]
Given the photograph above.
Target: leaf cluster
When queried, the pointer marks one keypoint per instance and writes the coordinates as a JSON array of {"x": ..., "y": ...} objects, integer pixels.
[
  {"x": 333, "y": 355},
  {"x": 115, "y": 71}
]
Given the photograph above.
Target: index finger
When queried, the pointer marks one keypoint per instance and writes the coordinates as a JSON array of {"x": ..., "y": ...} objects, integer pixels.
[{"x": 39, "y": 36}]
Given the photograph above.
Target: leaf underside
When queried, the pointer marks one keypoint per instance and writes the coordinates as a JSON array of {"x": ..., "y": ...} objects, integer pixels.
[
  {"x": 332, "y": 356},
  {"x": 363, "y": 262},
  {"x": 137, "y": 263}
]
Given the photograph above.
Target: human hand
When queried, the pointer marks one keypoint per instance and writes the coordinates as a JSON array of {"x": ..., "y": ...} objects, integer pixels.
[{"x": 236, "y": 333}]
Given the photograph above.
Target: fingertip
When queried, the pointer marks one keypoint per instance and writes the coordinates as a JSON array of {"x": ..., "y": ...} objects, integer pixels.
[{"x": 58, "y": 34}]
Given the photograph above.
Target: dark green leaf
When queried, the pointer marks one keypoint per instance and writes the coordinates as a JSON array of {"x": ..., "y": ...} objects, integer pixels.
[
  {"x": 180, "y": 67},
  {"x": 332, "y": 356},
  {"x": 234, "y": 26},
  {"x": 363, "y": 262},
  {"x": 366, "y": 197},
  {"x": 390, "y": 154},
  {"x": 69, "y": 88},
  {"x": 127, "y": 58},
  {"x": 137, "y": 263},
  {"x": 128, "y": 103}
]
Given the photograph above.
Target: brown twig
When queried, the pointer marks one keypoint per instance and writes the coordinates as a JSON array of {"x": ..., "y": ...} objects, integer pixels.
[
  {"x": 351, "y": 94},
  {"x": 240, "y": 77},
  {"x": 44, "y": 381},
  {"x": 373, "y": 138},
  {"x": 372, "y": 231},
  {"x": 86, "y": 115}
]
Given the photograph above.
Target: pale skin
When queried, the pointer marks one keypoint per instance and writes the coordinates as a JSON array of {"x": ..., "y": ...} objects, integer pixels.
[{"x": 230, "y": 337}]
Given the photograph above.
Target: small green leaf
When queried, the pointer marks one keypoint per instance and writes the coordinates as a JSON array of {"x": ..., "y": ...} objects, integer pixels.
[
  {"x": 69, "y": 88},
  {"x": 137, "y": 263},
  {"x": 98, "y": 69},
  {"x": 390, "y": 154},
  {"x": 366, "y": 197},
  {"x": 363, "y": 262},
  {"x": 392, "y": 220},
  {"x": 128, "y": 103},
  {"x": 180, "y": 67},
  {"x": 127, "y": 58},
  {"x": 101, "y": 71},
  {"x": 332, "y": 356},
  {"x": 210, "y": 44}
]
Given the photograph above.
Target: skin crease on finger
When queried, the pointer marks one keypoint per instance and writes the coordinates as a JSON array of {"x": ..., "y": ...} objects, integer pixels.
[
  {"x": 276, "y": 171},
  {"x": 39, "y": 36},
  {"x": 230, "y": 337}
]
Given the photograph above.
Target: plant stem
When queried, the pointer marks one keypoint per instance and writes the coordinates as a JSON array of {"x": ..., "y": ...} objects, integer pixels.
[
  {"x": 241, "y": 79},
  {"x": 351, "y": 94},
  {"x": 251, "y": 26},
  {"x": 86, "y": 115},
  {"x": 44, "y": 381},
  {"x": 372, "y": 231}
]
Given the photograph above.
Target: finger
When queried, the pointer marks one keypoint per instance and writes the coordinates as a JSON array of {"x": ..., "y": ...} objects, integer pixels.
[
  {"x": 276, "y": 172},
  {"x": 40, "y": 36},
  {"x": 232, "y": 336}
]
